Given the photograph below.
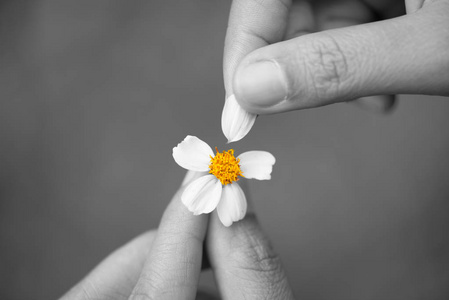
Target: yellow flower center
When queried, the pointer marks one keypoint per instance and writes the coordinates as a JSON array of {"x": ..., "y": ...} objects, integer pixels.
[{"x": 225, "y": 166}]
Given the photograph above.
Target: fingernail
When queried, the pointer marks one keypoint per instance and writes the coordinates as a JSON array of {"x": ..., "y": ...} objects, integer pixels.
[{"x": 262, "y": 84}]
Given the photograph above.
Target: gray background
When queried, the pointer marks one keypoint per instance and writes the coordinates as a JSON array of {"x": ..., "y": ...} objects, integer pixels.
[{"x": 94, "y": 95}]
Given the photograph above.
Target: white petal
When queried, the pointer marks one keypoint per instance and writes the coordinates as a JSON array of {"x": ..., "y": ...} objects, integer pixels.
[
  {"x": 193, "y": 154},
  {"x": 235, "y": 121},
  {"x": 202, "y": 195},
  {"x": 232, "y": 206},
  {"x": 256, "y": 164}
]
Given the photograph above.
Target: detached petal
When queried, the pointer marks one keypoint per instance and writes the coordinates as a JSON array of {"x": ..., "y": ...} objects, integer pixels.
[
  {"x": 193, "y": 154},
  {"x": 232, "y": 206},
  {"x": 257, "y": 164},
  {"x": 202, "y": 195},
  {"x": 235, "y": 121}
]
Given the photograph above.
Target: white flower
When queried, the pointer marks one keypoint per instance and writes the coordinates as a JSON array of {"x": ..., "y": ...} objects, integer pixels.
[
  {"x": 218, "y": 187},
  {"x": 235, "y": 121}
]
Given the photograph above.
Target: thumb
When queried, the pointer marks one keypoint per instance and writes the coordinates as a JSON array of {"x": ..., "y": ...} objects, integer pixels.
[
  {"x": 244, "y": 262},
  {"x": 406, "y": 55}
]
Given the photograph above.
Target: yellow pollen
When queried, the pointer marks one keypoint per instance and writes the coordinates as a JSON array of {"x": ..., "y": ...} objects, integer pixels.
[{"x": 225, "y": 166}]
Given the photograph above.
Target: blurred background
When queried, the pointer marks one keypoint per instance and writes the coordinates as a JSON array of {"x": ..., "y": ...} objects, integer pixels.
[{"x": 95, "y": 94}]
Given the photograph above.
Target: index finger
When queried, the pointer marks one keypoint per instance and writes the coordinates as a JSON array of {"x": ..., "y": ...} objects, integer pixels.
[
  {"x": 173, "y": 266},
  {"x": 252, "y": 24}
]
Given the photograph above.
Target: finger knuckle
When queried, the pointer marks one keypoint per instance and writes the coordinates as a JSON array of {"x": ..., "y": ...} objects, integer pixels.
[
  {"x": 260, "y": 266},
  {"x": 254, "y": 262},
  {"x": 148, "y": 292},
  {"x": 327, "y": 68},
  {"x": 255, "y": 253},
  {"x": 87, "y": 290},
  {"x": 262, "y": 257},
  {"x": 145, "y": 287},
  {"x": 155, "y": 284},
  {"x": 437, "y": 43},
  {"x": 141, "y": 296}
]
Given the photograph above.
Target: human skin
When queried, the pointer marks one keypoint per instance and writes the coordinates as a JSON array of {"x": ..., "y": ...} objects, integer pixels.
[
  {"x": 288, "y": 55},
  {"x": 166, "y": 263}
]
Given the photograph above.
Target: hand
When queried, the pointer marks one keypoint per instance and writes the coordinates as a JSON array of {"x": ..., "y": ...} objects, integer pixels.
[
  {"x": 162, "y": 264},
  {"x": 274, "y": 63},
  {"x": 166, "y": 264}
]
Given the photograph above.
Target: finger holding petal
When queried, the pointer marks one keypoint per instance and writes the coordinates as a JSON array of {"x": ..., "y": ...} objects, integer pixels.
[
  {"x": 235, "y": 121},
  {"x": 193, "y": 154},
  {"x": 257, "y": 164},
  {"x": 244, "y": 262},
  {"x": 233, "y": 205},
  {"x": 173, "y": 263},
  {"x": 202, "y": 195}
]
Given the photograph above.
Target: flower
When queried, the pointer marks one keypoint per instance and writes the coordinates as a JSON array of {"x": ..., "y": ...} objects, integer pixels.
[
  {"x": 235, "y": 121},
  {"x": 218, "y": 187}
]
